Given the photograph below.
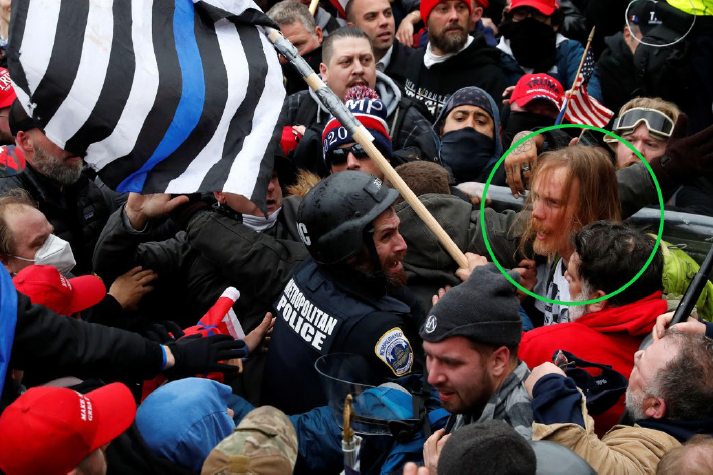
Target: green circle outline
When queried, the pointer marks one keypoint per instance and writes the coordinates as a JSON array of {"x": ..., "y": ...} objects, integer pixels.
[{"x": 561, "y": 302}]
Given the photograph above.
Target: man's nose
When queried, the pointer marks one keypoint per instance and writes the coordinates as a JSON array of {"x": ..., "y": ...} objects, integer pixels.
[{"x": 352, "y": 162}]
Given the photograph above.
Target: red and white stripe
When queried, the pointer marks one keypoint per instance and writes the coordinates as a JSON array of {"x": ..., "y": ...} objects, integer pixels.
[{"x": 584, "y": 109}]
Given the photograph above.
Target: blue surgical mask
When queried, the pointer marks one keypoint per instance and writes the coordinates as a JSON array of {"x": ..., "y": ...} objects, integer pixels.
[{"x": 54, "y": 252}]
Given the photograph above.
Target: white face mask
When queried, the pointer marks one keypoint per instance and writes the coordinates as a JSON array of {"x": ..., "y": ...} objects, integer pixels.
[
  {"x": 54, "y": 252},
  {"x": 260, "y": 223}
]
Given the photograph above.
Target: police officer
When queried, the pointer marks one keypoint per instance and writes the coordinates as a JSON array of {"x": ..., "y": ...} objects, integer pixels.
[{"x": 342, "y": 299}]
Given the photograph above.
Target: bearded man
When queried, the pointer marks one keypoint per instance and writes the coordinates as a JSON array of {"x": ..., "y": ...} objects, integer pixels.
[
  {"x": 670, "y": 395},
  {"x": 452, "y": 59},
  {"x": 76, "y": 207}
]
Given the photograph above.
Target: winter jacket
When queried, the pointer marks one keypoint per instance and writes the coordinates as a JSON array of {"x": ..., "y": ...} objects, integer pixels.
[
  {"x": 609, "y": 337},
  {"x": 678, "y": 271},
  {"x": 616, "y": 72},
  {"x": 409, "y": 129},
  {"x": 78, "y": 212},
  {"x": 561, "y": 416},
  {"x": 477, "y": 65},
  {"x": 187, "y": 285},
  {"x": 569, "y": 56},
  {"x": 427, "y": 264}
]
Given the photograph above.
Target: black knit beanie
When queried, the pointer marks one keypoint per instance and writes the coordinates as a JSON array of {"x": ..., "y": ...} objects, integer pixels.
[
  {"x": 483, "y": 309},
  {"x": 487, "y": 448}
]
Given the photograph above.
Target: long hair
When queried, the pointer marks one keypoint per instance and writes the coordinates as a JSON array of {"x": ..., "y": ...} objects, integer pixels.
[{"x": 598, "y": 197}]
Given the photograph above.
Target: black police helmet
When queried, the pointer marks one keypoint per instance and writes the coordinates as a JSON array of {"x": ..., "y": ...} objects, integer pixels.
[{"x": 334, "y": 214}]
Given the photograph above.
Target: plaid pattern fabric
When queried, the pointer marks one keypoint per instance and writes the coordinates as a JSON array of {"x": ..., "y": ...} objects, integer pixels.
[{"x": 510, "y": 403}]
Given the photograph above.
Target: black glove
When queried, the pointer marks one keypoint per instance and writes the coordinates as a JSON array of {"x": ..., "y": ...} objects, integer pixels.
[
  {"x": 685, "y": 158},
  {"x": 164, "y": 332},
  {"x": 195, "y": 354}
]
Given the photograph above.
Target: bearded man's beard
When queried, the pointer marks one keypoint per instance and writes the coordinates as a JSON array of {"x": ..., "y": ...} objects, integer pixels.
[
  {"x": 578, "y": 311},
  {"x": 56, "y": 169},
  {"x": 399, "y": 278},
  {"x": 450, "y": 41}
]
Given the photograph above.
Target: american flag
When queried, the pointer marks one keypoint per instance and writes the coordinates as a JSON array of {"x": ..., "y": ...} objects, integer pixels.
[
  {"x": 159, "y": 96},
  {"x": 579, "y": 107}
]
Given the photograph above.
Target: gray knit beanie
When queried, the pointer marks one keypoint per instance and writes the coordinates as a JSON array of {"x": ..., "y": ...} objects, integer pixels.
[
  {"x": 483, "y": 309},
  {"x": 487, "y": 448}
]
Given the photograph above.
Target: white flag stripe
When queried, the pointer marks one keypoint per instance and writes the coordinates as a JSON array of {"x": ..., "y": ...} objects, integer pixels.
[
  {"x": 38, "y": 40},
  {"x": 244, "y": 171},
  {"x": 91, "y": 73},
  {"x": 142, "y": 96},
  {"x": 237, "y": 73}
]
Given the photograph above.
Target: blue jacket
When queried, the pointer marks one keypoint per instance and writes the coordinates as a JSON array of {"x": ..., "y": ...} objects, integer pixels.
[{"x": 569, "y": 55}]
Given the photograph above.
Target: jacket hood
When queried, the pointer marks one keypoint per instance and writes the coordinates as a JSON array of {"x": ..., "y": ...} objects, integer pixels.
[
  {"x": 388, "y": 91},
  {"x": 618, "y": 46},
  {"x": 681, "y": 430},
  {"x": 636, "y": 318},
  {"x": 185, "y": 419},
  {"x": 498, "y": 149}
]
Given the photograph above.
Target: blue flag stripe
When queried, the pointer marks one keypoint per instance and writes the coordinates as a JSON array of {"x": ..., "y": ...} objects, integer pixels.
[
  {"x": 192, "y": 95},
  {"x": 215, "y": 101}
]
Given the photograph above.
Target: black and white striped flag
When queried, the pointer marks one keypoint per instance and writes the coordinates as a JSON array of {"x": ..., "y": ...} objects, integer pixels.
[{"x": 173, "y": 96}]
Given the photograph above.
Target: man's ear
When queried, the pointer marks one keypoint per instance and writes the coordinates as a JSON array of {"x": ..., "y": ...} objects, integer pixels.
[
  {"x": 476, "y": 15},
  {"x": 627, "y": 34},
  {"x": 599, "y": 306},
  {"x": 350, "y": 24},
  {"x": 324, "y": 72},
  {"x": 654, "y": 407},
  {"x": 24, "y": 141},
  {"x": 499, "y": 361},
  {"x": 319, "y": 34}
]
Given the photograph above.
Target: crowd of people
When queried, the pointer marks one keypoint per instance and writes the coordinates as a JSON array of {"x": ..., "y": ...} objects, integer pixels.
[{"x": 171, "y": 334}]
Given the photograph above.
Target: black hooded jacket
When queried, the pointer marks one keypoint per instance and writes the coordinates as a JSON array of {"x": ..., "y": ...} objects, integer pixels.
[{"x": 617, "y": 75}]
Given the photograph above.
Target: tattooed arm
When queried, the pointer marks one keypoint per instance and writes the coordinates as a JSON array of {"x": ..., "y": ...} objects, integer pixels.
[{"x": 520, "y": 162}]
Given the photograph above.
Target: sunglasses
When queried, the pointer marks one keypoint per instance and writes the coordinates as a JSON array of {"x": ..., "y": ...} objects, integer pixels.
[
  {"x": 658, "y": 123},
  {"x": 339, "y": 156}
]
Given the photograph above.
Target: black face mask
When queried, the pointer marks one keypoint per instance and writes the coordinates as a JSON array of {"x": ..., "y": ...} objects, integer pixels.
[
  {"x": 518, "y": 121},
  {"x": 466, "y": 153},
  {"x": 533, "y": 43}
]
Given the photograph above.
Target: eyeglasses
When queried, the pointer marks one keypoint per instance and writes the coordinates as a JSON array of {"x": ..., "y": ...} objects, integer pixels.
[
  {"x": 659, "y": 124},
  {"x": 339, "y": 156},
  {"x": 521, "y": 13}
]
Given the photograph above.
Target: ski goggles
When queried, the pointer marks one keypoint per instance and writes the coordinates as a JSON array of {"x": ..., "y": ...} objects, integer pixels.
[{"x": 658, "y": 123}]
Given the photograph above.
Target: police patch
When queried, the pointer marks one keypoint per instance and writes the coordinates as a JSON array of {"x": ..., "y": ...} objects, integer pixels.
[{"x": 393, "y": 348}]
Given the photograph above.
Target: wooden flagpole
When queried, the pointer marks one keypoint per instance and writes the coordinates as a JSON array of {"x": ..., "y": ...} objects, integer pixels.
[
  {"x": 365, "y": 139},
  {"x": 314, "y": 4}
]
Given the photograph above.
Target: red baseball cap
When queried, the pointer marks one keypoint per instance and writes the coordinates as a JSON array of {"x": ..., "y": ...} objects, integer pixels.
[
  {"x": 7, "y": 93},
  {"x": 546, "y": 7},
  {"x": 50, "y": 430},
  {"x": 537, "y": 86},
  {"x": 46, "y": 286}
]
